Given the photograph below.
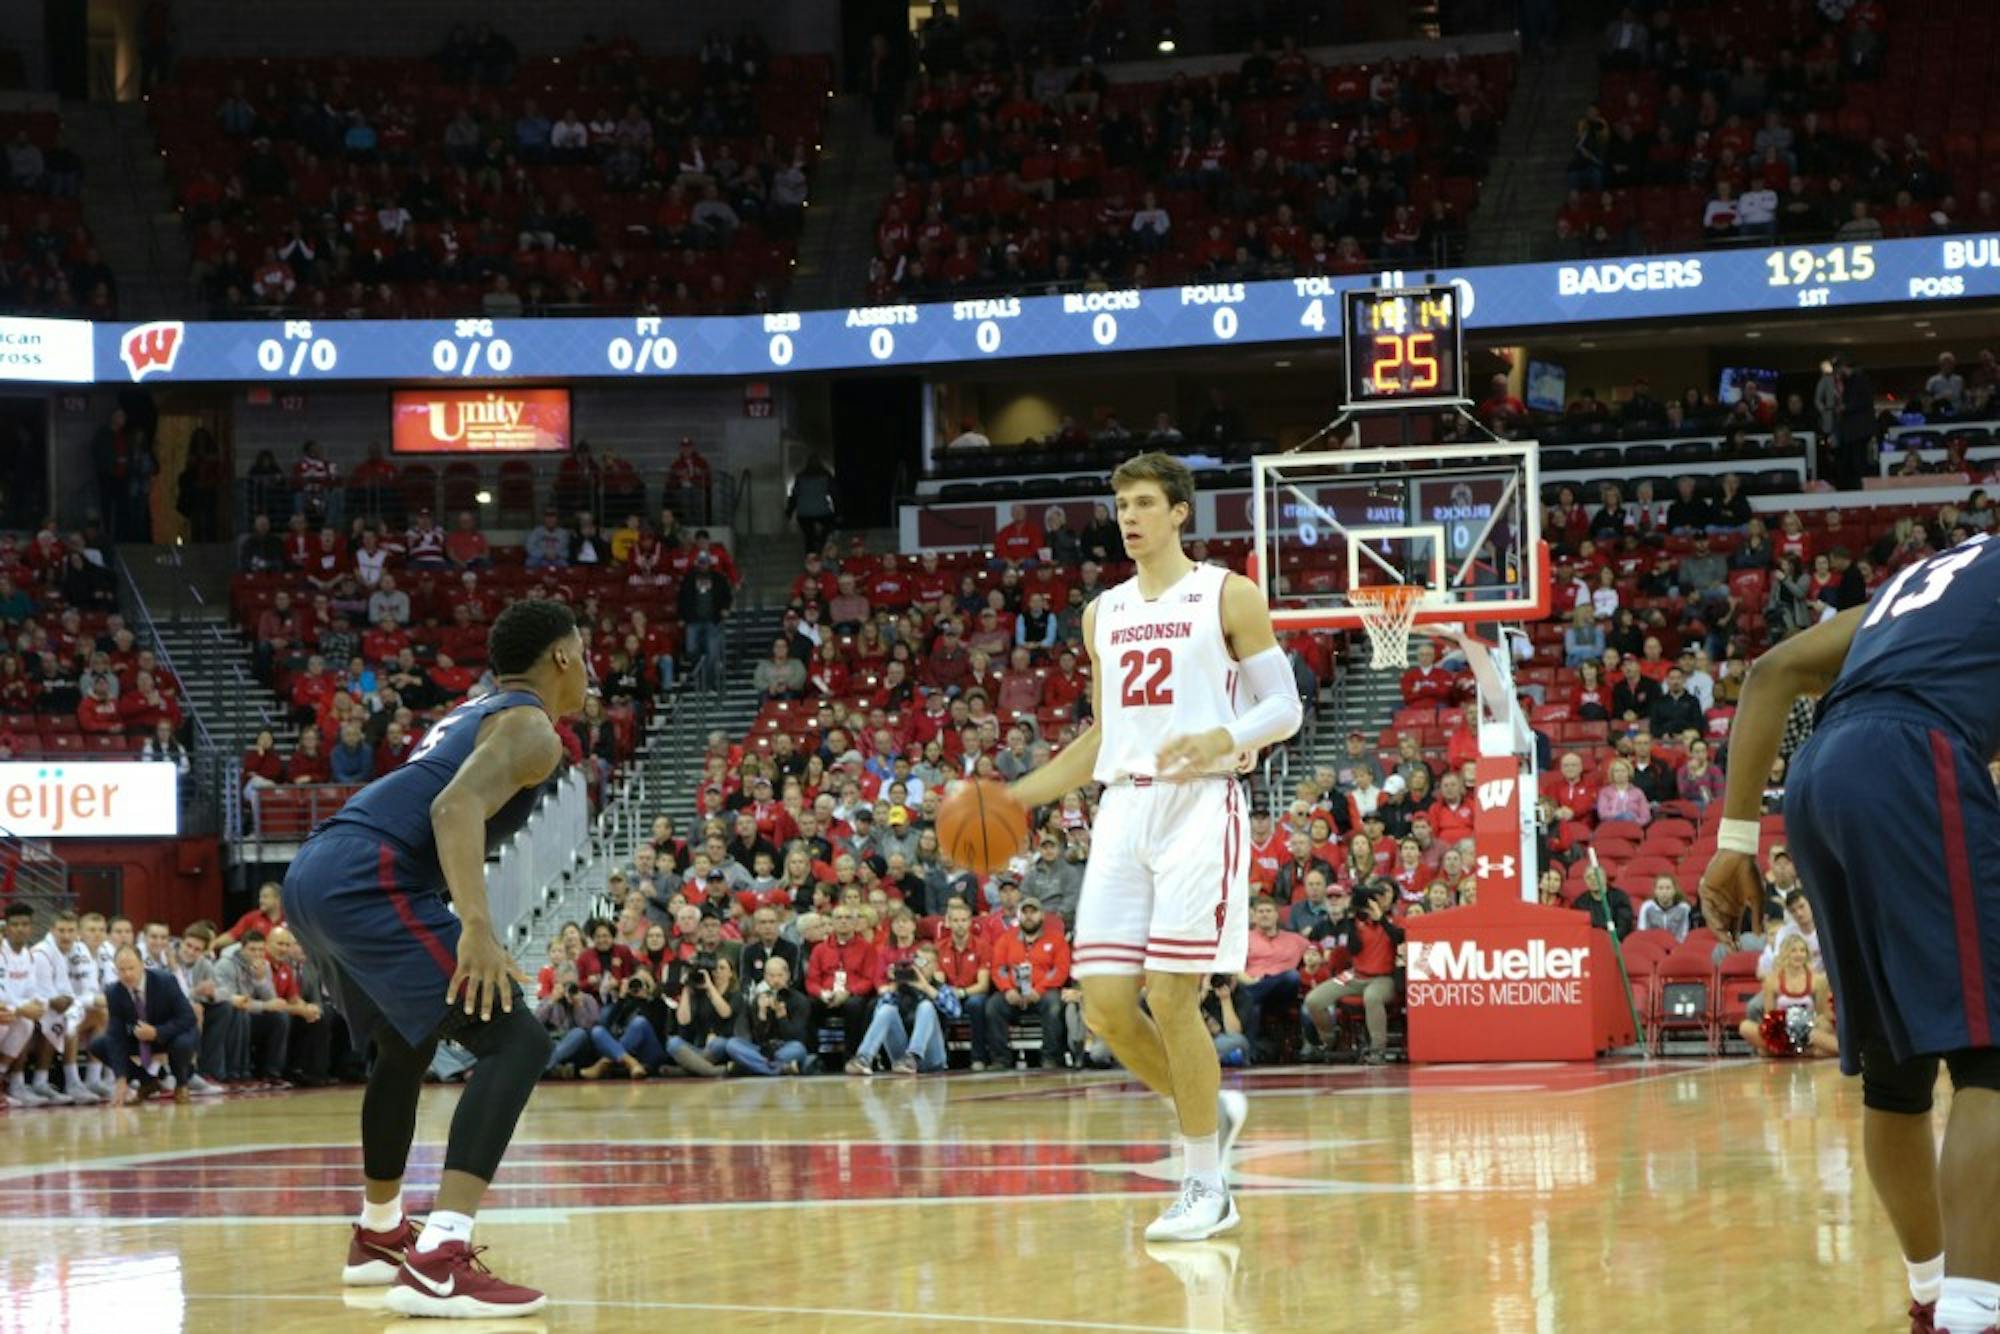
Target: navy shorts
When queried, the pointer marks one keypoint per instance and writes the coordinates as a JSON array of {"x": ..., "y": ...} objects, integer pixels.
[
  {"x": 1895, "y": 828},
  {"x": 381, "y": 934}
]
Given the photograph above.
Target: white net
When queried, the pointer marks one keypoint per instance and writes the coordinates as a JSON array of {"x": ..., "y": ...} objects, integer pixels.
[{"x": 1387, "y": 613}]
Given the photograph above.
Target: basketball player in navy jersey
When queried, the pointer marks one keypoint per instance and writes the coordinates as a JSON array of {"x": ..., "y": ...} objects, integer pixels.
[
  {"x": 1892, "y": 819},
  {"x": 1187, "y": 681},
  {"x": 366, "y": 897}
]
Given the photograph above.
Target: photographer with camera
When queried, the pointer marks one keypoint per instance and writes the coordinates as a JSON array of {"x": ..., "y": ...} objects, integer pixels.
[
  {"x": 907, "y": 1017},
  {"x": 628, "y": 1031},
  {"x": 703, "y": 1016},
  {"x": 771, "y": 1034},
  {"x": 1218, "y": 1011},
  {"x": 1372, "y": 939},
  {"x": 568, "y": 1015}
]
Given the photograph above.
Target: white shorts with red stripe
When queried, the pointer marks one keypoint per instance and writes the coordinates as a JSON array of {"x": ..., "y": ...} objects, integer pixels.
[{"x": 1167, "y": 887}]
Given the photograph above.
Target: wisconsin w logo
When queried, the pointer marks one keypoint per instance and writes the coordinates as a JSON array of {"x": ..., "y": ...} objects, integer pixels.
[
  {"x": 1495, "y": 795},
  {"x": 152, "y": 347}
]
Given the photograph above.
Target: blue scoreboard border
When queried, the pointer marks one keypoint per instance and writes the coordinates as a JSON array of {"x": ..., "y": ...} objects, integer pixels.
[{"x": 1199, "y": 315}]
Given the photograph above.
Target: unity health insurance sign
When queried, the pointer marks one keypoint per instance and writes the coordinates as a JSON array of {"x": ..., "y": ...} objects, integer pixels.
[
  {"x": 1199, "y": 315},
  {"x": 90, "y": 799}
]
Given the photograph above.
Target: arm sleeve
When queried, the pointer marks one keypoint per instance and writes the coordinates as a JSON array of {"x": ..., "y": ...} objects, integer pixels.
[{"x": 1275, "y": 712}]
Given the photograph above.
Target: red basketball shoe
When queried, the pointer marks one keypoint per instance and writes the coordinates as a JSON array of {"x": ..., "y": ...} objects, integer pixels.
[
  {"x": 1922, "y": 1316},
  {"x": 451, "y": 1281},
  {"x": 373, "y": 1258}
]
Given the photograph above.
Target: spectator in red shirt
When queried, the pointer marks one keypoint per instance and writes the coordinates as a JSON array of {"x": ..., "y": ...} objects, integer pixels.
[
  {"x": 262, "y": 759},
  {"x": 604, "y": 966},
  {"x": 688, "y": 482},
  {"x": 97, "y": 713},
  {"x": 466, "y": 547},
  {"x": 1451, "y": 811},
  {"x": 1020, "y": 542},
  {"x": 266, "y": 917},
  {"x": 1030, "y": 969},
  {"x": 817, "y": 584},
  {"x": 308, "y": 764},
  {"x": 840, "y": 977},
  {"x": 1501, "y": 405},
  {"x": 1371, "y": 938},
  {"x": 963, "y": 958},
  {"x": 1573, "y": 796},
  {"x": 949, "y": 666},
  {"x": 1427, "y": 684}
]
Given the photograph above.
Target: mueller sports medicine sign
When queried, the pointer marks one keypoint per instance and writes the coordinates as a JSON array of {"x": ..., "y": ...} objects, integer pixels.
[
  {"x": 1503, "y": 980},
  {"x": 1462, "y": 972},
  {"x": 480, "y": 421},
  {"x": 111, "y": 799}
]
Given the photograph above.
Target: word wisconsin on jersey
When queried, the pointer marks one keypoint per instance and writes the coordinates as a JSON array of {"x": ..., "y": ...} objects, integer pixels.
[{"x": 1149, "y": 632}]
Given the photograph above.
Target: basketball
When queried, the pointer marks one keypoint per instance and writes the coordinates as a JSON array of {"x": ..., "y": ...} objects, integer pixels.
[{"x": 980, "y": 827}]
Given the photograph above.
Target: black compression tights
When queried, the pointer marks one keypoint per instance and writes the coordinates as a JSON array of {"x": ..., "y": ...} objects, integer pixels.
[{"x": 511, "y": 1049}]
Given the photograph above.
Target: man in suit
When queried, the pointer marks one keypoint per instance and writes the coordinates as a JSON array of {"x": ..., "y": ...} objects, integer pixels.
[{"x": 149, "y": 1013}]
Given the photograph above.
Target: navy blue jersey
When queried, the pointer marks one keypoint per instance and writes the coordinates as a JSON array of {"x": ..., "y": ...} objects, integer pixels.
[
  {"x": 396, "y": 807},
  {"x": 1930, "y": 640}
]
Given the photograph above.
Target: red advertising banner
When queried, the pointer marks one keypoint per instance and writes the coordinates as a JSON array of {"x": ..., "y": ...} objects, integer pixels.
[
  {"x": 480, "y": 421},
  {"x": 1512, "y": 981}
]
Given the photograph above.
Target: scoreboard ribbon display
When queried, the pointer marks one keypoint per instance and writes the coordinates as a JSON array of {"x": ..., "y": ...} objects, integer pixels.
[{"x": 1201, "y": 315}]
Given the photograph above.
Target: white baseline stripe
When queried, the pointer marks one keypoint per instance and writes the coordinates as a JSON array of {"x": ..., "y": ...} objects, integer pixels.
[{"x": 930, "y": 1317}]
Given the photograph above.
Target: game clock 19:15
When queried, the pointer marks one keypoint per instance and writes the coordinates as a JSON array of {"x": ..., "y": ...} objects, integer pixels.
[{"x": 1820, "y": 271}]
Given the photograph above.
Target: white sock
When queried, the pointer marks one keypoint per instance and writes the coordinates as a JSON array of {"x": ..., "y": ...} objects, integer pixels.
[
  {"x": 41, "y": 1079},
  {"x": 441, "y": 1227},
  {"x": 1202, "y": 1158},
  {"x": 1926, "y": 1278},
  {"x": 72, "y": 1077},
  {"x": 383, "y": 1217},
  {"x": 17, "y": 1082},
  {"x": 1967, "y": 1306}
]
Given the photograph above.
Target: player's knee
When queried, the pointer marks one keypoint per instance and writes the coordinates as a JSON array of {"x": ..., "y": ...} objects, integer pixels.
[
  {"x": 1974, "y": 1068},
  {"x": 1900, "y": 1087}
]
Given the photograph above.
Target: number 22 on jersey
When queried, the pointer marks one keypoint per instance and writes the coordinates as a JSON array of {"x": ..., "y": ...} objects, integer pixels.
[{"x": 1156, "y": 666}]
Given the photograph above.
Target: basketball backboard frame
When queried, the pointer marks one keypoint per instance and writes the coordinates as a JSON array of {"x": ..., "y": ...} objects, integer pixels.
[{"x": 1530, "y": 599}]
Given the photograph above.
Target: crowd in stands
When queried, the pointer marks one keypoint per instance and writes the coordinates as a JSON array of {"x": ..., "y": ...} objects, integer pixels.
[
  {"x": 369, "y": 628},
  {"x": 1019, "y": 176},
  {"x": 49, "y": 263},
  {"x": 73, "y": 675},
  {"x": 610, "y": 181},
  {"x": 1775, "y": 121}
]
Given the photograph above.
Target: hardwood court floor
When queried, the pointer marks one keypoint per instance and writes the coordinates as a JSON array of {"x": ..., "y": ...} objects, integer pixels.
[{"x": 1671, "y": 1196}]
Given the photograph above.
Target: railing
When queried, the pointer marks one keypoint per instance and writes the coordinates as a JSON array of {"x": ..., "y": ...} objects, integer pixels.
[
  {"x": 205, "y": 797},
  {"x": 535, "y": 861},
  {"x": 31, "y": 873},
  {"x": 392, "y": 503}
]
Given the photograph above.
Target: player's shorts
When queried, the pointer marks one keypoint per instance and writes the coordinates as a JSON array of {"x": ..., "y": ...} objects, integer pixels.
[
  {"x": 14, "y": 1037},
  {"x": 57, "y": 1027},
  {"x": 385, "y": 942},
  {"x": 1895, "y": 828},
  {"x": 1167, "y": 887}
]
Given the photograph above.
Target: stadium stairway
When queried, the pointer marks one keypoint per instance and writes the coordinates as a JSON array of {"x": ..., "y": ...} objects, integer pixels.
[
  {"x": 130, "y": 207},
  {"x": 849, "y": 182},
  {"x": 1531, "y": 156},
  {"x": 1364, "y": 700},
  {"x": 670, "y": 752},
  {"x": 161, "y": 592}
]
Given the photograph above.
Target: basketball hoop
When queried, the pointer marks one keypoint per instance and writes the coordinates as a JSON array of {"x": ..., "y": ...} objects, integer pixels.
[{"x": 1387, "y": 613}]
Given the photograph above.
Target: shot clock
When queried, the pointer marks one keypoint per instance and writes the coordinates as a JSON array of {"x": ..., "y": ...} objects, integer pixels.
[{"x": 1405, "y": 347}]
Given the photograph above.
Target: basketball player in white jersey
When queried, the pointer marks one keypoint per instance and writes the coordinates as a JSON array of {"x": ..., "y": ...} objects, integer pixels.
[
  {"x": 70, "y": 981},
  {"x": 1187, "y": 682},
  {"x": 22, "y": 1006}
]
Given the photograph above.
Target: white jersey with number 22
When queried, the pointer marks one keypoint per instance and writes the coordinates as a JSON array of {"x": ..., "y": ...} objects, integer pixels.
[{"x": 1165, "y": 670}]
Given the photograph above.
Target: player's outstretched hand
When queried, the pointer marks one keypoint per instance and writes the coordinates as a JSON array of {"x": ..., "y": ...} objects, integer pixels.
[
  {"x": 1192, "y": 754},
  {"x": 484, "y": 970},
  {"x": 1730, "y": 886}
]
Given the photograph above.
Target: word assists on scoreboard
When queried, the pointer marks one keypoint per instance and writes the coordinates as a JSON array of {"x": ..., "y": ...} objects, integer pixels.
[{"x": 1403, "y": 347}]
